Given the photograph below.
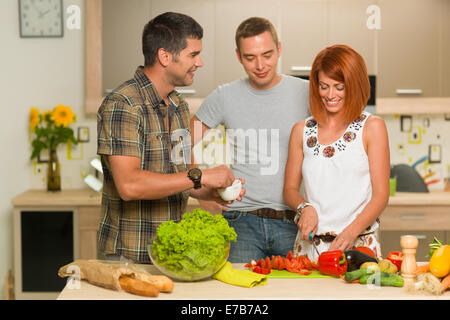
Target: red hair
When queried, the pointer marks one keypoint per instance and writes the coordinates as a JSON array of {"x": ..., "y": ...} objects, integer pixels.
[{"x": 340, "y": 63}]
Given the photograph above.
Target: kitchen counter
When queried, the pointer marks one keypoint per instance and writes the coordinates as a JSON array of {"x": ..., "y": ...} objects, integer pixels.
[
  {"x": 433, "y": 198},
  {"x": 417, "y": 211},
  {"x": 67, "y": 197},
  {"x": 275, "y": 289}
]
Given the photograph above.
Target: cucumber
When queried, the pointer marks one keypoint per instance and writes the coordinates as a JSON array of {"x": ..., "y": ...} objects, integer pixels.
[
  {"x": 357, "y": 274},
  {"x": 386, "y": 279},
  {"x": 363, "y": 279}
]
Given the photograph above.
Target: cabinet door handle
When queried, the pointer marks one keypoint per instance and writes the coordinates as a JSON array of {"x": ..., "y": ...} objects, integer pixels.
[
  {"x": 408, "y": 91},
  {"x": 413, "y": 217},
  {"x": 186, "y": 91},
  {"x": 301, "y": 68},
  {"x": 419, "y": 236}
]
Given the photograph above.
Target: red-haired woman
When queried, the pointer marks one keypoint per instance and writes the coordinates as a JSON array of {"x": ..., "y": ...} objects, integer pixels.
[{"x": 341, "y": 154}]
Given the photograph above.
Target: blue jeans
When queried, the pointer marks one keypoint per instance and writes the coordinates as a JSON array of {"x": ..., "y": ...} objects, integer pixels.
[{"x": 259, "y": 237}]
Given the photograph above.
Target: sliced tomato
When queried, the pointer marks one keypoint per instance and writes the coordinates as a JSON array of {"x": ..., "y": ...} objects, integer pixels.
[
  {"x": 276, "y": 263},
  {"x": 289, "y": 255},
  {"x": 314, "y": 265},
  {"x": 268, "y": 263},
  {"x": 289, "y": 266},
  {"x": 300, "y": 262},
  {"x": 282, "y": 264},
  {"x": 257, "y": 269},
  {"x": 306, "y": 262},
  {"x": 259, "y": 262},
  {"x": 260, "y": 270},
  {"x": 304, "y": 272}
]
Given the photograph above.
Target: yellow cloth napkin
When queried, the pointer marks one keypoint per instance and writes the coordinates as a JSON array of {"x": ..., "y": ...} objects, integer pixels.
[{"x": 243, "y": 278}]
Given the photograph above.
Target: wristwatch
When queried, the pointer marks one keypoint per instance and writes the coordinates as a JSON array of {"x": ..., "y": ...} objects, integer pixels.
[
  {"x": 195, "y": 174},
  {"x": 299, "y": 209}
]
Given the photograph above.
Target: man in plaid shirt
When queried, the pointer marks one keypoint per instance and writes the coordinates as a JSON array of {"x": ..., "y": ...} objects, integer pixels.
[{"x": 144, "y": 142}]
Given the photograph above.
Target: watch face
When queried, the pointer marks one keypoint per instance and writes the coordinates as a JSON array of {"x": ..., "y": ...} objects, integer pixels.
[
  {"x": 195, "y": 173},
  {"x": 41, "y": 18}
]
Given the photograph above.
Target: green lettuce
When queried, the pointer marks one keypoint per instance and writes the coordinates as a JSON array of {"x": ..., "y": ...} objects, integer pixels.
[{"x": 198, "y": 243}]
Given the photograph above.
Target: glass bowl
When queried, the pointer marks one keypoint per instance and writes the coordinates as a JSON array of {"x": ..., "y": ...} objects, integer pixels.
[{"x": 183, "y": 275}]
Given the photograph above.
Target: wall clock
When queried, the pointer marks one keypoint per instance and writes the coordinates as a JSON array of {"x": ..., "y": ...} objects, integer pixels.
[{"x": 41, "y": 18}]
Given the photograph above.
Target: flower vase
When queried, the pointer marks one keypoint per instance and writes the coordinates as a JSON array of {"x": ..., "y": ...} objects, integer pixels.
[{"x": 53, "y": 173}]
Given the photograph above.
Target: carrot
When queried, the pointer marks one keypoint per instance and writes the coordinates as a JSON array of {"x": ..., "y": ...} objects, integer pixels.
[
  {"x": 445, "y": 283},
  {"x": 422, "y": 269}
]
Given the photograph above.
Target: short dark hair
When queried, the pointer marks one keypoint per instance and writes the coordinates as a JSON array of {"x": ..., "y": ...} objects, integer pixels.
[
  {"x": 170, "y": 31},
  {"x": 252, "y": 27}
]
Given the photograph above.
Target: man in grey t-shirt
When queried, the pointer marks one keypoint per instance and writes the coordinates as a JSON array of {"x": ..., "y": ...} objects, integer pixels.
[{"x": 258, "y": 113}]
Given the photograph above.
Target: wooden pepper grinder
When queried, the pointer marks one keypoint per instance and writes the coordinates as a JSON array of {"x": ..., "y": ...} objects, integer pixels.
[{"x": 409, "y": 246}]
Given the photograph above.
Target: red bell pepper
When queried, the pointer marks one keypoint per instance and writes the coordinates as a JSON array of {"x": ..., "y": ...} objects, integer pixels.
[
  {"x": 396, "y": 257},
  {"x": 332, "y": 263}
]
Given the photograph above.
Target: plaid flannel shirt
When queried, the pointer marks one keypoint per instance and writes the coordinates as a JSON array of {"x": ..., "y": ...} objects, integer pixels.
[{"x": 130, "y": 122}]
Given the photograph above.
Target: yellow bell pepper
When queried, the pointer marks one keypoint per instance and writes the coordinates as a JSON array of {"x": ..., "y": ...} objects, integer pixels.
[{"x": 440, "y": 262}]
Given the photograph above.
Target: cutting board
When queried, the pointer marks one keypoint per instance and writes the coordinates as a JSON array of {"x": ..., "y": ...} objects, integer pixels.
[{"x": 283, "y": 274}]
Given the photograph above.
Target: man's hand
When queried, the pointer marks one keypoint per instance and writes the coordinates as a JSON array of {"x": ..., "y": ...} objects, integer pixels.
[
  {"x": 212, "y": 195},
  {"x": 218, "y": 177}
]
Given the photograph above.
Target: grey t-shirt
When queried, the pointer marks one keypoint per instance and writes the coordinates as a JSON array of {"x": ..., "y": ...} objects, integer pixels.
[{"x": 258, "y": 125}]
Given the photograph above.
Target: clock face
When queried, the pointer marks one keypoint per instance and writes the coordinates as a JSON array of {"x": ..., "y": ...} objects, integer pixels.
[{"x": 41, "y": 18}]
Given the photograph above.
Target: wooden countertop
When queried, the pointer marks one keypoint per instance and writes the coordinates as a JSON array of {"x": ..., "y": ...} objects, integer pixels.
[
  {"x": 433, "y": 198},
  {"x": 69, "y": 197},
  {"x": 274, "y": 289},
  {"x": 88, "y": 197}
]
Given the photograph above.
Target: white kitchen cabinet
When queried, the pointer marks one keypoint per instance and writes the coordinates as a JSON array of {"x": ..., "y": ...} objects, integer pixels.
[
  {"x": 445, "y": 56},
  {"x": 409, "y": 52},
  {"x": 123, "y": 23},
  {"x": 408, "y": 48},
  {"x": 310, "y": 26},
  {"x": 347, "y": 24},
  {"x": 303, "y": 34}
]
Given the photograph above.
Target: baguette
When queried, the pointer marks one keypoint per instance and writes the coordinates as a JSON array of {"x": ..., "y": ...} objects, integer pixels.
[
  {"x": 139, "y": 287},
  {"x": 163, "y": 283}
]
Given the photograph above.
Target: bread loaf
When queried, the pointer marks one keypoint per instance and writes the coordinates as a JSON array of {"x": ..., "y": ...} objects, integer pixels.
[
  {"x": 139, "y": 287},
  {"x": 163, "y": 283}
]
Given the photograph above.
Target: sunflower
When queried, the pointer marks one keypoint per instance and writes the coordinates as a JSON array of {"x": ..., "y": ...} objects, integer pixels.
[
  {"x": 62, "y": 115},
  {"x": 47, "y": 115},
  {"x": 34, "y": 118}
]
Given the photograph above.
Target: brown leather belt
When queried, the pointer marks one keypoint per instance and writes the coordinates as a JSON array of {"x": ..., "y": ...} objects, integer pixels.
[
  {"x": 331, "y": 237},
  {"x": 273, "y": 214}
]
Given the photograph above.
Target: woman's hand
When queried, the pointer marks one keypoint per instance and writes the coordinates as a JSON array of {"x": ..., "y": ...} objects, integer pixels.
[
  {"x": 344, "y": 241},
  {"x": 308, "y": 223}
]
